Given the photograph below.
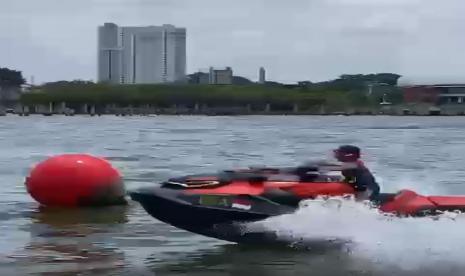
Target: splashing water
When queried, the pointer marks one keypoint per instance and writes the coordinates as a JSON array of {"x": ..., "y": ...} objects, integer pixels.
[{"x": 407, "y": 243}]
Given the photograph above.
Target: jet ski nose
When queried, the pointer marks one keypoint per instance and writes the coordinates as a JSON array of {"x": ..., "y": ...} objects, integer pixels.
[
  {"x": 151, "y": 196},
  {"x": 141, "y": 194},
  {"x": 135, "y": 195}
]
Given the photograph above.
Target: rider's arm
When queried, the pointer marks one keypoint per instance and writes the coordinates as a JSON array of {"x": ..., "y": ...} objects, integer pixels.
[{"x": 354, "y": 177}]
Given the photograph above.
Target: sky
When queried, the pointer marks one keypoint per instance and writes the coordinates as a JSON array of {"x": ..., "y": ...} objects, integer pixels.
[{"x": 294, "y": 40}]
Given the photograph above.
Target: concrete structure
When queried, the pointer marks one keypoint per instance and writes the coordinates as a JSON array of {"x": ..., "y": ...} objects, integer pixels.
[
  {"x": 261, "y": 75},
  {"x": 151, "y": 54},
  {"x": 220, "y": 76}
]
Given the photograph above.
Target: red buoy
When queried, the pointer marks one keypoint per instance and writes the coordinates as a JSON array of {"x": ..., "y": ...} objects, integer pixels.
[{"x": 75, "y": 180}]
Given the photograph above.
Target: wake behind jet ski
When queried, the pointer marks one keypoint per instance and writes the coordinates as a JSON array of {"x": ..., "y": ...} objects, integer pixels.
[{"x": 219, "y": 205}]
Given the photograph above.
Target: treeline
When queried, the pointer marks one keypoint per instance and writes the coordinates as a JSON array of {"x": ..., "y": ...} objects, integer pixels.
[
  {"x": 10, "y": 77},
  {"x": 168, "y": 95},
  {"x": 343, "y": 82},
  {"x": 257, "y": 96},
  {"x": 358, "y": 81},
  {"x": 236, "y": 80},
  {"x": 348, "y": 91}
]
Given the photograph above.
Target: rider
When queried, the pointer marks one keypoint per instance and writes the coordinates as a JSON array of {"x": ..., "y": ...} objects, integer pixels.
[{"x": 356, "y": 173}]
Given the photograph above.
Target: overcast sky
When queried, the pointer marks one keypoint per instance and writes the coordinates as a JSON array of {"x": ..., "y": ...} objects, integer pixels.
[{"x": 293, "y": 39}]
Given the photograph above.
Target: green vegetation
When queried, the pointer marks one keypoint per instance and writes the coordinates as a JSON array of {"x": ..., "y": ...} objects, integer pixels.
[
  {"x": 359, "y": 81},
  {"x": 236, "y": 80},
  {"x": 344, "y": 93},
  {"x": 10, "y": 78},
  {"x": 338, "y": 95},
  {"x": 189, "y": 95}
]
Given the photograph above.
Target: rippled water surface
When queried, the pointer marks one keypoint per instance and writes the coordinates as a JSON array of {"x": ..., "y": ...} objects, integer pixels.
[{"x": 422, "y": 153}]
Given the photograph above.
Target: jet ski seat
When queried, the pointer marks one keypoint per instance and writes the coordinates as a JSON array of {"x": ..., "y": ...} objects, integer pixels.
[{"x": 209, "y": 181}]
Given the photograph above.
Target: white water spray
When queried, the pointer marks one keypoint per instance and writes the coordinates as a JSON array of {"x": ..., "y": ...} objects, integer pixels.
[{"x": 407, "y": 243}]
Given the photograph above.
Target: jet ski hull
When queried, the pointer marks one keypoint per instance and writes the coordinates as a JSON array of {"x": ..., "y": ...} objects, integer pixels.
[{"x": 218, "y": 216}]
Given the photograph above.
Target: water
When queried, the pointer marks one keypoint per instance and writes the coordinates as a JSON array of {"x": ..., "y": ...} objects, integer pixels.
[{"x": 422, "y": 153}]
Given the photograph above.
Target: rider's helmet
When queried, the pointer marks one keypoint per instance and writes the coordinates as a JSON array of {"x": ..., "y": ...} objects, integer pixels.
[{"x": 347, "y": 153}]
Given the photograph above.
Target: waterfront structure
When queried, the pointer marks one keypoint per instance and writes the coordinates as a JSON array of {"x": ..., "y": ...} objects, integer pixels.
[{"x": 141, "y": 55}]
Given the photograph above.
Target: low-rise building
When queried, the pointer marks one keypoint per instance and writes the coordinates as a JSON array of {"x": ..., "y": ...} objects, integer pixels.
[
  {"x": 213, "y": 76},
  {"x": 433, "y": 92},
  {"x": 220, "y": 76}
]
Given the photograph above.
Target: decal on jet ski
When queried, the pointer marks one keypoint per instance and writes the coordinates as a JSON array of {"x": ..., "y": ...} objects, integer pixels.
[
  {"x": 241, "y": 204},
  {"x": 215, "y": 200}
]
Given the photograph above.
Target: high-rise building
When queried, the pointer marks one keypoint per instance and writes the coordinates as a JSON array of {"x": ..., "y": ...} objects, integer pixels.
[
  {"x": 109, "y": 54},
  {"x": 152, "y": 54},
  {"x": 261, "y": 73}
]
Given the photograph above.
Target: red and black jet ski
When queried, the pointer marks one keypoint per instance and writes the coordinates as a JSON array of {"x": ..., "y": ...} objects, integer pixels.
[{"x": 217, "y": 205}]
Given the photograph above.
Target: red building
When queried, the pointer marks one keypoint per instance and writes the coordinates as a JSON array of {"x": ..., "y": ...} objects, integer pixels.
[
  {"x": 435, "y": 94},
  {"x": 421, "y": 94}
]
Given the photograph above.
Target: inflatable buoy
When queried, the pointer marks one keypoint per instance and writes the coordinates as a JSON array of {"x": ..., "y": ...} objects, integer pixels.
[{"x": 76, "y": 180}]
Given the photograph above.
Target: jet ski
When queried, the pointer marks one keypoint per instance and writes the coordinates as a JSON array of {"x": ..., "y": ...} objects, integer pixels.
[{"x": 220, "y": 205}]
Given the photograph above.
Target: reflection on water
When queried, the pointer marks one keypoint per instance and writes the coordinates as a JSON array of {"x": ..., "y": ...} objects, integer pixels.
[
  {"x": 236, "y": 259},
  {"x": 67, "y": 240},
  {"x": 243, "y": 260},
  {"x": 64, "y": 217}
]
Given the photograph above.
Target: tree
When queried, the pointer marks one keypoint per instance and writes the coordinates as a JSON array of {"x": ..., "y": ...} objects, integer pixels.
[
  {"x": 388, "y": 78},
  {"x": 304, "y": 84},
  {"x": 202, "y": 78},
  {"x": 67, "y": 83},
  {"x": 196, "y": 78},
  {"x": 238, "y": 80},
  {"x": 359, "y": 82},
  {"x": 11, "y": 77}
]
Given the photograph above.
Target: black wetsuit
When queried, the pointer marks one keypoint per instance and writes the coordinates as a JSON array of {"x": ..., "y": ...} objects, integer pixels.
[{"x": 361, "y": 178}]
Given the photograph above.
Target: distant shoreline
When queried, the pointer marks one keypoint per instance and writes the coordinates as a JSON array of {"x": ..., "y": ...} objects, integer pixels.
[
  {"x": 63, "y": 108},
  {"x": 230, "y": 114}
]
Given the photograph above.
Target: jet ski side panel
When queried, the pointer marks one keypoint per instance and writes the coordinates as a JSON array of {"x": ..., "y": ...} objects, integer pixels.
[{"x": 206, "y": 214}]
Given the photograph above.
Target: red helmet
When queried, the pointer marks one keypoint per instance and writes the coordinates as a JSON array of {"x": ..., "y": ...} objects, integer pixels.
[{"x": 347, "y": 153}]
